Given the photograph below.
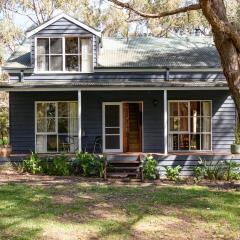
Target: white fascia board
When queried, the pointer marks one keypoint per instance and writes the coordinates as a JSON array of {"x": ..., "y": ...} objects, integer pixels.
[{"x": 63, "y": 15}]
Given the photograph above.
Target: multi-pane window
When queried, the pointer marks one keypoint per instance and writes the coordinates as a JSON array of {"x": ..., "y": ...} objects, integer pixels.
[
  {"x": 72, "y": 54},
  {"x": 189, "y": 126},
  {"x": 56, "y": 127}
]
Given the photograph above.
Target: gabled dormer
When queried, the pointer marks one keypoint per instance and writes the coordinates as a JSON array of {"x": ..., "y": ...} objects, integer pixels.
[{"x": 65, "y": 45}]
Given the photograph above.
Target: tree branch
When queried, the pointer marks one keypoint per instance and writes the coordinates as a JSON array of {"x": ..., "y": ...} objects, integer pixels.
[
  {"x": 156, "y": 15},
  {"x": 221, "y": 25}
]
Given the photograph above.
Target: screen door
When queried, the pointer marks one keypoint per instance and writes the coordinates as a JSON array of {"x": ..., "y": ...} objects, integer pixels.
[{"x": 112, "y": 127}]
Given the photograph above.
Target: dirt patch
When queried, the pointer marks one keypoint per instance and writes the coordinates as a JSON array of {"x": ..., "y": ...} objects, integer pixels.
[{"x": 11, "y": 176}]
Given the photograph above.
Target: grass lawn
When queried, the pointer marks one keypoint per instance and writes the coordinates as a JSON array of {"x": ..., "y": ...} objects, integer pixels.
[{"x": 67, "y": 209}]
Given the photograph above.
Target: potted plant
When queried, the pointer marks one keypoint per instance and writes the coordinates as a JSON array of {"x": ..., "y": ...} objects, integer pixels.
[
  {"x": 5, "y": 148},
  {"x": 235, "y": 148}
]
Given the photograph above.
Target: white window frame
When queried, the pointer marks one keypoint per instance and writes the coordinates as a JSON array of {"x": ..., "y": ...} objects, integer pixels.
[
  {"x": 56, "y": 123},
  {"x": 63, "y": 54},
  {"x": 189, "y": 128}
]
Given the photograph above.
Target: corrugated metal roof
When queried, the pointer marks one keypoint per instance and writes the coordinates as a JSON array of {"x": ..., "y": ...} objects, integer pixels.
[{"x": 142, "y": 52}]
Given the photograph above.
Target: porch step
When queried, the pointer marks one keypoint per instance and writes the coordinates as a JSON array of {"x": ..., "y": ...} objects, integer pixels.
[{"x": 122, "y": 166}]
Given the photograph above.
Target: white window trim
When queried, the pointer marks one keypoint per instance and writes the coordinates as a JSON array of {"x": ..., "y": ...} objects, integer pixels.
[
  {"x": 56, "y": 123},
  {"x": 63, "y": 55},
  {"x": 189, "y": 132}
]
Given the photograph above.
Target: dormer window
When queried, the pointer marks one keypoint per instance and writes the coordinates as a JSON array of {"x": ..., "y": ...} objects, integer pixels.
[{"x": 67, "y": 54}]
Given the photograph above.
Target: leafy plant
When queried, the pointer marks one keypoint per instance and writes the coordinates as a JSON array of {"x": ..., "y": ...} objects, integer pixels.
[
  {"x": 173, "y": 173},
  {"x": 217, "y": 170},
  {"x": 89, "y": 164},
  {"x": 150, "y": 168},
  {"x": 60, "y": 166},
  {"x": 32, "y": 164},
  {"x": 232, "y": 170},
  {"x": 198, "y": 173},
  {"x": 4, "y": 124}
]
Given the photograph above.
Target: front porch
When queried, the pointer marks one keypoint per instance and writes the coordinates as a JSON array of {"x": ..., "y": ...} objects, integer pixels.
[{"x": 106, "y": 114}]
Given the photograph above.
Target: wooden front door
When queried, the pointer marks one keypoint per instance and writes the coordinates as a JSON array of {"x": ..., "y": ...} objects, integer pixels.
[{"x": 132, "y": 127}]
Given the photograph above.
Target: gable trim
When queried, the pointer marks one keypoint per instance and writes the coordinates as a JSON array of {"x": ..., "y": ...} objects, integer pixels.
[{"x": 63, "y": 15}]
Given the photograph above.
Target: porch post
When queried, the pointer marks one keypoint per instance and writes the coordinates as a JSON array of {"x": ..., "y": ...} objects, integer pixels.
[
  {"x": 79, "y": 121},
  {"x": 165, "y": 123}
]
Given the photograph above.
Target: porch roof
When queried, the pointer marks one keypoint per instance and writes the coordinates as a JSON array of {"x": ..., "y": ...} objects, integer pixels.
[{"x": 113, "y": 83}]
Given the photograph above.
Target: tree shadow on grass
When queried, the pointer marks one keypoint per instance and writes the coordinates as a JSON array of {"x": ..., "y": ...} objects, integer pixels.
[{"x": 23, "y": 206}]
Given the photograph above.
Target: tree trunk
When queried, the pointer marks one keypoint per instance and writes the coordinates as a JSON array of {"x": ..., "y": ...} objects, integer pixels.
[{"x": 229, "y": 54}]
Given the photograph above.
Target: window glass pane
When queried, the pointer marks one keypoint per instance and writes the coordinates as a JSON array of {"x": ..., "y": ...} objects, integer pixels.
[
  {"x": 55, "y": 45},
  {"x": 183, "y": 124},
  {"x": 51, "y": 143},
  {"x": 173, "y": 142},
  {"x": 42, "y": 62},
  {"x": 112, "y": 116},
  {"x": 183, "y": 108},
  {"x": 73, "y": 109},
  {"x": 112, "y": 130},
  {"x": 195, "y": 124},
  {"x": 51, "y": 127},
  {"x": 71, "y": 45},
  {"x": 56, "y": 63},
  {"x": 112, "y": 142},
  {"x": 173, "y": 108},
  {"x": 63, "y": 143},
  {"x": 72, "y": 63},
  {"x": 87, "y": 58},
  {"x": 73, "y": 125},
  {"x": 183, "y": 142},
  {"x": 41, "y": 125},
  {"x": 195, "y": 108},
  {"x": 206, "y": 108},
  {"x": 41, "y": 143},
  {"x": 42, "y": 46},
  {"x": 206, "y": 124},
  {"x": 206, "y": 141},
  {"x": 50, "y": 109},
  {"x": 174, "y": 123},
  {"x": 195, "y": 142},
  {"x": 62, "y": 109},
  {"x": 63, "y": 125},
  {"x": 41, "y": 110}
]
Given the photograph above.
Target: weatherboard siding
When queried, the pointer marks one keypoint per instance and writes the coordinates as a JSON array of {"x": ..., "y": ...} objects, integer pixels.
[{"x": 23, "y": 125}]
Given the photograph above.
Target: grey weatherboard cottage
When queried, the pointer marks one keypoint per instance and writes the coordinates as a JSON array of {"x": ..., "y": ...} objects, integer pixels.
[{"x": 69, "y": 86}]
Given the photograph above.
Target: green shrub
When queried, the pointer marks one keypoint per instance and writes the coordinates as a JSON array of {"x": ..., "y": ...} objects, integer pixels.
[
  {"x": 89, "y": 165},
  {"x": 232, "y": 170},
  {"x": 32, "y": 164},
  {"x": 60, "y": 166},
  {"x": 173, "y": 173},
  {"x": 198, "y": 173},
  {"x": 150, "y": 168},
  {"x": 217, "y": 170}
]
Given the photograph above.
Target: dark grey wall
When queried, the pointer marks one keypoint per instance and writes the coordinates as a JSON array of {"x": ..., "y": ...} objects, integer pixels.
[
  {"x": 64, "y": 27},
  {"x": 22, "y": 123},
  {"x": 22, "y": 115},
  {"x": 223, "y": 115}
]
